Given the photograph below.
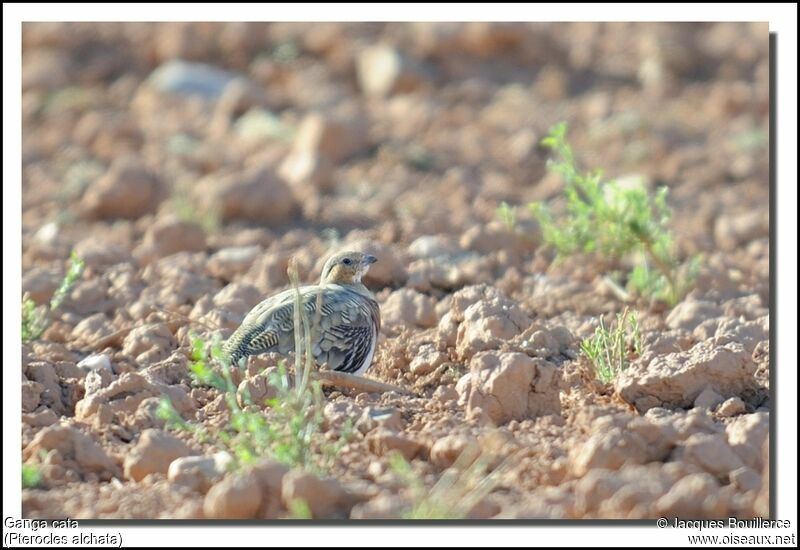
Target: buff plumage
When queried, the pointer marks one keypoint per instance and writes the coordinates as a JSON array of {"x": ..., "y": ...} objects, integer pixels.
[{"x": 344, "y": 315}]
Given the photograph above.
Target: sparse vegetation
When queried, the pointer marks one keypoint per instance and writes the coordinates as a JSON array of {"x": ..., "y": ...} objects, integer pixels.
[
  {"x": 611, "y": 349},
  {"x": 299, "y": 509},
  {"x": 459, "y": 489},
  {"x": 507, "y": 215},
  {"x": 188, "y": 210},
  {"x": 285, "y": 52},
  {"x": 31, "y": 476},
  {"x": 36, "y": 319},
  {"x": 626, "y": 223},
  {"x": 288, "y": 432}
]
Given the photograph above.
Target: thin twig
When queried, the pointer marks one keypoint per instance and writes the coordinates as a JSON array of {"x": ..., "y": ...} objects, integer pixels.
[
  {"x": 618, "y": 291},
  {"x": 107, "y": 340}
]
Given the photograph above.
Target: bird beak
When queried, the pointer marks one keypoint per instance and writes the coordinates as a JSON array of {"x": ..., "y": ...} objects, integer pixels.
[{"x": 369, "y": 260}]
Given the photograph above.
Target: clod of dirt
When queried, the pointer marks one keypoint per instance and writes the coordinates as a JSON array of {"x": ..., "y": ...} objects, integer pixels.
[
  {"x": 153, "y": 454},
  {"x": 746, "y": 435},
  {"x": 434, "y": 246},
  {"x": 168, "y": 236},
  {"x": 237, "y": 296},
  {"x": 708, "y": 398},
  {"x": 677, "y": 379},
  {"x": 31, "y": 395},
  {"x": 627, "y": 492},
  {"x": 745, "y": 479},
  {"x": 227, "y": 263},
  {"x": 747, "y": 333},
  {"x": 387, "y": 418},
  {"x": 97, "y": 253},
  {"x": 91, "y": 296},
  {"x": 335, "y": 137},
  {"x": 750, "y": 307},
  {"x": 237, "y": 496},
  {"x": 325, "y": 497},
  {"x": 307, "y": 172},
  {"x": 506, "y": 386},
  {"x": 427, "y": 360},
  {"x": 693, "y": 496},
  {"x": 446, "y": 450},
  {"x": 710, "y": 452},
  {"x": 731, "y": 231},
  {"x": 448, "y": 329},
  {"x": 494, "y": 237},
  {"x": 149, "y": 343},
  {"x": 381, "y": 507},
  {"x": 487, "y": 319},
  {"x": 270, "y": 474},
  {"x": 445, "y": 394},
  {"x": 382, "y": 441},
  {"x": 428, "y": 274},
  {"x": 80, "y": 453},
  {"x": 732, "y": 407},
  {"x": 669, "y": 427},
  {"x": 255, "y": 194},
  {"x": 40, "y": 283},
  {"x": 48, "y": 69},
  {"x": 40, "y": 419},
  {"x": 544, "y": 343},
  {"x": 268, "y": 271},
  {"x": 93, "y": 328},
  {"x": 382, "y": 70},
  {"x": 255, "y": 390},
  {"x": 127, "y": 190},
  {"x": 174, "y": 370},
  {"x": 199, "y": 472},
  {"x": 663, "y": 342},
  {"x": 690, "y": 313},
  {"x": 127, "y": 392},
  {"x": 337, "y": 413},
  {"x": 407, "y": 307},
  {"x": 96, "y": 380},
  {"x": 50, "y": 392},
  {"x": 178, "y": 279},
  {"x": 610, "y": 450}
]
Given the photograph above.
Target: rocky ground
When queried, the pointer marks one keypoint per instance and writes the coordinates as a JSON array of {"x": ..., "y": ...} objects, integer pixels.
[{"x": 187, "y": 186}]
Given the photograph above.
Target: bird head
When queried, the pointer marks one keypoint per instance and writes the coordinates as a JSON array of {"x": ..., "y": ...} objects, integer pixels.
[{"x": 346, "y": 268}]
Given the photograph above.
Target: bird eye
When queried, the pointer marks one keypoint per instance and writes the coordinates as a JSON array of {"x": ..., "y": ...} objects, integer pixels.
[{"x": 347, "y": 261}]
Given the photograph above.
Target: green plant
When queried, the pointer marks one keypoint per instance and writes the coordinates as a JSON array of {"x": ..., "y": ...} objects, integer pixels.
[
  {"x": 507, "y": 214},
  {"x": 188, "y": 210},
  {"x": 299, "y": 509},
  {"x": 36, "y": 319},
  {"x": 459, "y": 489},
  {"x": 751, "y": 140},
  {"x": 624, "y": 222},
  {"x": 31, "y": 476},
  {"x": 610, "y": 350},
  {"x": 285, "y": 52},
  {"x": 287, "y": 430}
]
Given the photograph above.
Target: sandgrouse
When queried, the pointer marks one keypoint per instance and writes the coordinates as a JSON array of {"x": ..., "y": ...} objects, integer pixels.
[{"x": 344, "y": 331}]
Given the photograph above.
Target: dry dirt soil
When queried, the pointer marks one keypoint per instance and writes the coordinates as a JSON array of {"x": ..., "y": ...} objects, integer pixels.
[{"x": 188, "y": 163}]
